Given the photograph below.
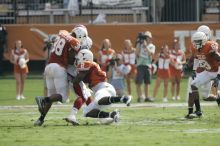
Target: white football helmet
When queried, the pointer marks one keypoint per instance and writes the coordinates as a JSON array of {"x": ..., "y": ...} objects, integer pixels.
[
  {"x": 199, "y": 39},
  {"x": 206, "y": 30},
  {"x": 86, "y": 43},
  {"x": 80, "y": 32},
  {"x": 84, "y": 55}
]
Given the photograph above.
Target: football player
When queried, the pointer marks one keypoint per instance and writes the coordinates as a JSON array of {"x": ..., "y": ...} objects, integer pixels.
[
  {"x": 104, "y": 93},
  {"x": 207, "y": 57},
  {"x": 83, "y": 94},
  {"x": 56, "y": 74}
]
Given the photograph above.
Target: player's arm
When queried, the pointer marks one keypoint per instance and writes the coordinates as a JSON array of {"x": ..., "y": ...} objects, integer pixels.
[
  {"x": 80, "y": 76},
  {"x": 215, "y": 55}
]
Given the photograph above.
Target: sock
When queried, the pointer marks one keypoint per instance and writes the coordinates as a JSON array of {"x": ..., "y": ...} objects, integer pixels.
[
  {"x": 197, "y": 105},
  {"x": 89, "y": 100},
  {"x": 108, "y": 100},
  {"x": 190, "y": 110},
  {"x": 78, "y": 103},
  {"x": 42, "y": 117},
  {"x": 114, "y": 99},
  {"x": 103, "y": 114}
]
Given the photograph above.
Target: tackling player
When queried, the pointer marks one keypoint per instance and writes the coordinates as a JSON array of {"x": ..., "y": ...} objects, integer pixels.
[
  {"x": 55, "y": 73},
  {"x": 104, "y": 93},
  {"x": 207, "y": 57},
  {"x": 80, "y": 89}
]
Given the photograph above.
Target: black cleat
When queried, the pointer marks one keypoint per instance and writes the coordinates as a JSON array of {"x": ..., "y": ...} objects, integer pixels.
[
  {"x": 115, "y": 115},
  {"x": 126, "y": 100},
  {"x": 41, "y": 104},
  {"x": 196, "y": 114},
  {"x": 38, "y": 122}
]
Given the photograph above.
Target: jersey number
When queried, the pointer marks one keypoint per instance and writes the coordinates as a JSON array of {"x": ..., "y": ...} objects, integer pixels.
[{"x": 58, "y": 46}]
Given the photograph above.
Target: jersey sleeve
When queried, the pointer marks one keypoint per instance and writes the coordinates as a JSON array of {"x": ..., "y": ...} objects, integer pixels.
[{"x": 74, "y": 43}]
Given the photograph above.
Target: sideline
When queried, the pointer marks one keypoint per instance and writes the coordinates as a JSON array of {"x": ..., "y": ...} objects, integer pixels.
[{"x": 134, "y": 105}]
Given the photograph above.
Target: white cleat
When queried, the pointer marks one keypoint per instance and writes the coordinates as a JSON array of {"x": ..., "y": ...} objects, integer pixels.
[
  {"x": 72, "y": 119},
  {"x": 126, "y": 100},
  {"x": 115, "y": 115}
]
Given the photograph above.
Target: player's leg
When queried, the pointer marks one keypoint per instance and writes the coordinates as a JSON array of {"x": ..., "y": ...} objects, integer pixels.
[
  {"x": 83, "y": 95},
  {"x": 94, "y": 110},
  {"x": 201, "y": 79},
  {"x": 56, "y": 80}
]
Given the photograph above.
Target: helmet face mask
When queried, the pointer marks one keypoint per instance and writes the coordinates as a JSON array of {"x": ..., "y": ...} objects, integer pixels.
[
  {"x": 79, "y": 33},
  {"x": 199, "y": 39}
]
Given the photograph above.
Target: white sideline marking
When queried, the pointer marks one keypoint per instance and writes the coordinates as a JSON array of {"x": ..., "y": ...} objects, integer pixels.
[
  {"x": 135, "y": 105},
  {"x": 198, "y": 130}
]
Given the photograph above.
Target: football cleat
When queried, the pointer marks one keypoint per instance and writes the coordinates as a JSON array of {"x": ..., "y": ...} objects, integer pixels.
[
  {"x": 71, "y": 119},
  {"x": 38, "y": 122},
  {"x": 126, "y": 100},
  {"x": 196, "y": 114},
  {"x": 41, "y": 104},
  {"x": 115, "y": 115}
]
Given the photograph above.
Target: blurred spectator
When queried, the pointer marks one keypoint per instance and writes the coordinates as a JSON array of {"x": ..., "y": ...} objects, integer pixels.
[
  {"x": 3, "y": 35},
  {"x": 176, "y": 69},
  {"x": 163, "y": 73},
  {"x": 105, "y": 54},
  {"x": 129, "y": 58},
  {"x": 144, "y": 53},
  {"x": 116, "y": 73},
  {"x": 19, "y": 57}
]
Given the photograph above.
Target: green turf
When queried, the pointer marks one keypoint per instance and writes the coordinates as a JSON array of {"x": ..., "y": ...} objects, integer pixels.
[
  {"x": 143, "y": 126},
  {"x": 34, "y": 87}
]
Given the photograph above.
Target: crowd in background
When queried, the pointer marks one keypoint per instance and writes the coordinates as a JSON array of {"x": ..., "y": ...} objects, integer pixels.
[{"x": 139, "y": 62}]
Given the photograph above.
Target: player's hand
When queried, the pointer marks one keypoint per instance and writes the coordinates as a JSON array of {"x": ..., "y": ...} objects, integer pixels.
[
  {"x": 193, "y": 75},
  {"x": 216, "y": 81}
]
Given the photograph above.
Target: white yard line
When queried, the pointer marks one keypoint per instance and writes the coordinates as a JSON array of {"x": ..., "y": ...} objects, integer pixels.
[{"x": 135, "y": 105}]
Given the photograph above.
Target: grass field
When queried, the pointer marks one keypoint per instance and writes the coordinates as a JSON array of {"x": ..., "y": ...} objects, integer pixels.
[{"x": 140, "y": 125}]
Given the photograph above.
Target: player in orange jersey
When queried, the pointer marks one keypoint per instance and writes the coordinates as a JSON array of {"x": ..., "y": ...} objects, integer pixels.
[
  {"x": 104, "y": 93},
  {"x": 205, "y": 56}
]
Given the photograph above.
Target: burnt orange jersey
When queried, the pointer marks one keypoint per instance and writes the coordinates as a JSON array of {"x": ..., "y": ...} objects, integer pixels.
[
  {"x": 206, "y": 61},
  {"x": 94, "y": 76},
  {"x": 59, "y": 53}
]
